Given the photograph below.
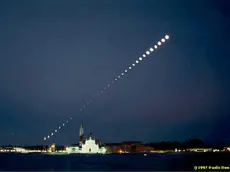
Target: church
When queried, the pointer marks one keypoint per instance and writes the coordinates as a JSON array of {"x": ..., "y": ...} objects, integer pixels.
[{"x": 86, "y": 145}]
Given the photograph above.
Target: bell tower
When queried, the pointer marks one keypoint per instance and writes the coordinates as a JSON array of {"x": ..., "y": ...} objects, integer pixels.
[{"x": 81, "y": 133}]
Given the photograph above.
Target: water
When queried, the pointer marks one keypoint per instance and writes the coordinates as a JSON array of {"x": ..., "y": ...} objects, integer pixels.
[{"x": 114, "y": 162}]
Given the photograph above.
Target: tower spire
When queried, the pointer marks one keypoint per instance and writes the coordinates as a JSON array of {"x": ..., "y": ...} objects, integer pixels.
[{"x": 81, "y": 132}]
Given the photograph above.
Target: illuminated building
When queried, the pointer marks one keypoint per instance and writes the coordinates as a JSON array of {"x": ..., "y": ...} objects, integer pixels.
[
  {"x": 227, "y": 149},
  {"x": 114, "y": 148},
  {"x": 128, "y": 147},
  {"x": 21, "y": 150},
  {"x": 200, "y": 150},
  {"x": 86, "y": 146},
  {"x": 51, "y": 148},
  {"x": 144, "y": 148}
]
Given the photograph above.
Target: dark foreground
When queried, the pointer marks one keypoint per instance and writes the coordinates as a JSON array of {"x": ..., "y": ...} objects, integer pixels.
[{"x": 114, "y": 162}]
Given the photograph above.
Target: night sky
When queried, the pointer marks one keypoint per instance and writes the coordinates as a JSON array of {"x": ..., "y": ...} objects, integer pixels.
[{"x": 55, "y": 55}]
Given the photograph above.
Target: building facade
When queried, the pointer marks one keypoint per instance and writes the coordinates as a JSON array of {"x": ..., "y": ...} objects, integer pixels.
[{"x": 86, "y": 146}]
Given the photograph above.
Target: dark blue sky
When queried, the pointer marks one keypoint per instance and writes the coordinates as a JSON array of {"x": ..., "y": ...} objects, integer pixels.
[{"x": 56, "y": 54}]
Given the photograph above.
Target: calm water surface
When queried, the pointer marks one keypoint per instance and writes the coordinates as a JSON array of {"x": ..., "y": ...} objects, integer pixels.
[{"x": 114, "y": 162}]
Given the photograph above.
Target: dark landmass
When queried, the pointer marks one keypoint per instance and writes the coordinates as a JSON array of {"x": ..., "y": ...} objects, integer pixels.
[{"x": 192, "y": 143}]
